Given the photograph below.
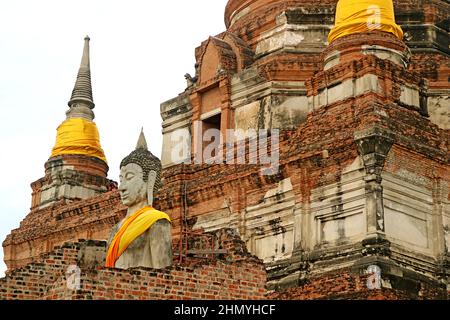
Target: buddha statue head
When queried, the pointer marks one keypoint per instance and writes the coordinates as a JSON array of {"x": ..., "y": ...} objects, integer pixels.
[{"x": 140, "y": 177}]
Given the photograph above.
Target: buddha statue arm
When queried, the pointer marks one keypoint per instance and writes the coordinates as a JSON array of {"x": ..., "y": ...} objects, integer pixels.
[{"x": 160, "y": 238}]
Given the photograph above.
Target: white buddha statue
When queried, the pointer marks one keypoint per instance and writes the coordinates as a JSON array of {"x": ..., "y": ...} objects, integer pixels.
[{"x": 144, "y": 237}]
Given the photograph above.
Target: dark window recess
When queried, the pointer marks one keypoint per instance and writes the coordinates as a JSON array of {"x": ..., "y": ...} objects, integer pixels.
[{"x": 212, "y": 143}]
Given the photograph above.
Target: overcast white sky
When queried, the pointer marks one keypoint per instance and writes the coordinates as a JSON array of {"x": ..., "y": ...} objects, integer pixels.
[{"x": 140, "y": 50}]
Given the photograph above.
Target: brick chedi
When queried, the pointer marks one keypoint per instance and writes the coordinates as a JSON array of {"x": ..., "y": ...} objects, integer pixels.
[
  {"x": 364, "y": 165},
  {"x": 77, "y": 170}
]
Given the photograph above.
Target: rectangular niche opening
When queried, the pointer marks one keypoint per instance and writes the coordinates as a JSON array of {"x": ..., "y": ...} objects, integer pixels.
[{"x": 211, "y": 136}]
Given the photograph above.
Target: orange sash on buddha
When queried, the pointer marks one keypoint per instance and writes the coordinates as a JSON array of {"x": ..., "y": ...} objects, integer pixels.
[{"x": 134, "y": 226}]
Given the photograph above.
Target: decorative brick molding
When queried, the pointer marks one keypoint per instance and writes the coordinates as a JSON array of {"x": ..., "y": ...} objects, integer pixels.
[{"x": 348, "y": 285}]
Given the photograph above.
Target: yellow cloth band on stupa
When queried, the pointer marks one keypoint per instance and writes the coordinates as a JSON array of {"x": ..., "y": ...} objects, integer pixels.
[
  {"x": 78, "y": 136},
  {"x": 353, "y": 16},
  {"x": 134, "y": 226}
]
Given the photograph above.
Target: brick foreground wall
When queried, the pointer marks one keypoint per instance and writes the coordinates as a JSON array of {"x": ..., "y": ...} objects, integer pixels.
[{"x": 235, "y": 275}]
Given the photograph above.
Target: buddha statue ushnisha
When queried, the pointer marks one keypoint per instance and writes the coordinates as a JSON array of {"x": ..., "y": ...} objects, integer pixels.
[{"x": 143, "y": 238}]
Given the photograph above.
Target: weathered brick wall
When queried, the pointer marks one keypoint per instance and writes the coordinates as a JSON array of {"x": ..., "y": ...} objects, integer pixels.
[
  {"x": 211, "y": 281},
  {"x": 33, "y": 281},
  {"x": 345, "y": 285},
  {"x": 235, "y": 275}
]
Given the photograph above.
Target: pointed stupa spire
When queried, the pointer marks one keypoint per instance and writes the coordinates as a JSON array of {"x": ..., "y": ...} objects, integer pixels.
[
  {"x": 82, "y": 92},
  {"x": 142, "y": 142},
  {"x": 78, "y": 134}
]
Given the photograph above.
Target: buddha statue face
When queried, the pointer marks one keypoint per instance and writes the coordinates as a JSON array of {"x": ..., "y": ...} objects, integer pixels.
[
  {"x": 134, "y": 190},
  {"x": 140, "y": 177}
]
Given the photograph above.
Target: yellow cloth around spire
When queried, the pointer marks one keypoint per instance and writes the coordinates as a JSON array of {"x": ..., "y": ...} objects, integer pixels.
[
  {"x": 135, "y": 225},
  {"x": 353, "y": 16},
  {"x": 78, "y": 136}
]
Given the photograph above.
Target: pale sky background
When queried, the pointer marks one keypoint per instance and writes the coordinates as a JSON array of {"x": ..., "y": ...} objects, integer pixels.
[{"x": 140, "y": 51}]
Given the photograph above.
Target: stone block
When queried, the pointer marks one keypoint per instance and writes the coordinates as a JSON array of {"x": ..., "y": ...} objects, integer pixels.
[{"x": 439, "y": 110}]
